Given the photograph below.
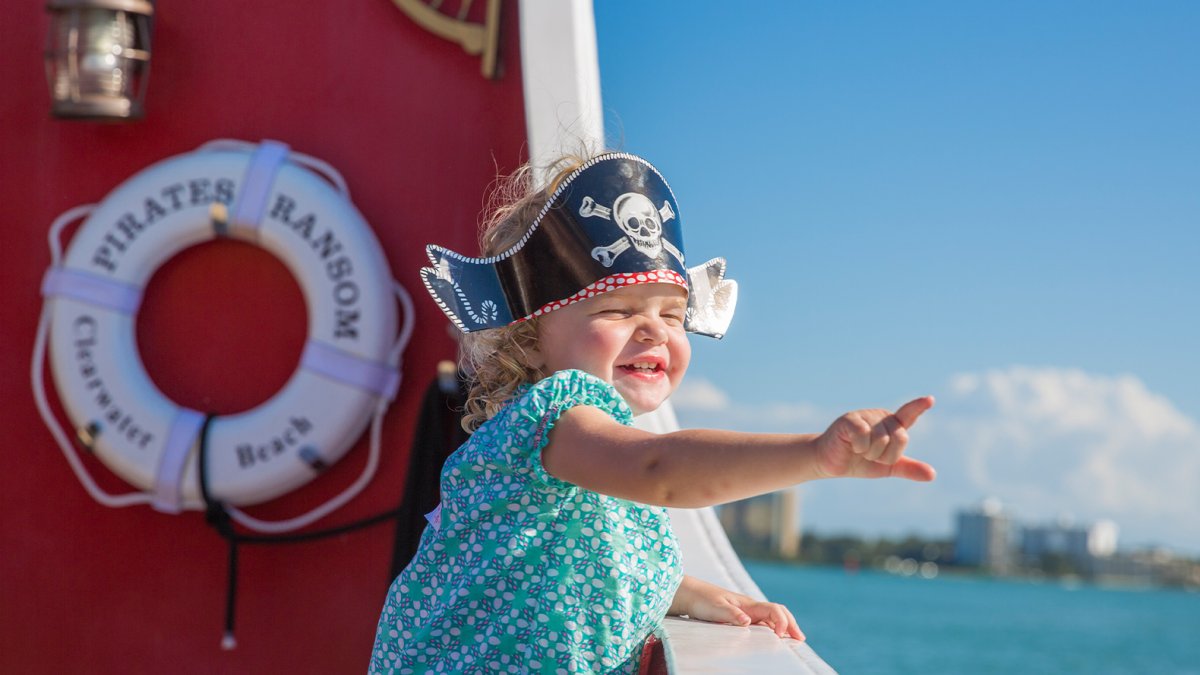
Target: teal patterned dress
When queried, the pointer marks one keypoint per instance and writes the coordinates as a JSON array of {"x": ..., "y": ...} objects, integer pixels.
[{"x": 525, "y": 572}]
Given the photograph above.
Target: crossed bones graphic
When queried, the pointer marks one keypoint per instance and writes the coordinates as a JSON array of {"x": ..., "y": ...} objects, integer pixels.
[{"x": 639, "y": 220}]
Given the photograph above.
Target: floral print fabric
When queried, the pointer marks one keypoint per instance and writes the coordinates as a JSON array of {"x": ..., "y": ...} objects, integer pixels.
[{"x": 525, "y": 572}]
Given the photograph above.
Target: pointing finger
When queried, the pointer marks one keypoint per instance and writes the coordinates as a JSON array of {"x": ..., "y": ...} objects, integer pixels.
[
  {"x": 897, "y": 441},
  {"x": 909, "y": 412},
  {"x": 912, "y": 469}
]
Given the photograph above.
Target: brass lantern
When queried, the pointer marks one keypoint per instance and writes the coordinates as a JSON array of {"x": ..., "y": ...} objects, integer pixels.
[{"x": 98, "y": 57}]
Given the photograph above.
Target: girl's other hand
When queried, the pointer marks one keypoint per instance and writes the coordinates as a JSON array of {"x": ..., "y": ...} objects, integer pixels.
[
  {"x": 742, "y": 610},
  {"x": 709, "y": 602},
  {"x": 871, "y": 444}
]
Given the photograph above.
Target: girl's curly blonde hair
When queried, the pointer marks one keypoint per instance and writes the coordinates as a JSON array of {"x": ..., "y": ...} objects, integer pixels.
[{"x": 497, "y": 360}]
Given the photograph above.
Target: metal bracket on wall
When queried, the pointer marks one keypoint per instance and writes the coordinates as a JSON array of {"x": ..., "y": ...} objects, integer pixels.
[{"x": 477, "y": 39}]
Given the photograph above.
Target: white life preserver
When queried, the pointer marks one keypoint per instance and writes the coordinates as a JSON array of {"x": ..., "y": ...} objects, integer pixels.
[{"x": 349, "y": 370}]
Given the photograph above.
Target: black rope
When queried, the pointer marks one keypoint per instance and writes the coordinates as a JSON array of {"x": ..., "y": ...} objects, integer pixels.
[
  {"x": 302, "y": 537},
  {"x": 437, "y": 434},
  {"x": 217, "y": 516}
]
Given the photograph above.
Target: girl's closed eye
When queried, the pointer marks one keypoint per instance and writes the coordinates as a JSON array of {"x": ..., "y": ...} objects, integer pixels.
[
  {"x": 675, "y": 312},
  {"x": 614, "y": 312}
]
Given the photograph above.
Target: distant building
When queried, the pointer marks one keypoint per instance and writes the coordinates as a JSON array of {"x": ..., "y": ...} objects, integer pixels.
[
  {"x": 768, "y": 522},
  {"x": 1078, "y": 543},
  {"x": 989, "y": 538},
  {"x": 982, "y": 537}
]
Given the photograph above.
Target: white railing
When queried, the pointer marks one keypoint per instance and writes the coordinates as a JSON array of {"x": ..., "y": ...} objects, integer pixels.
[{"x": 702, "y": 647}]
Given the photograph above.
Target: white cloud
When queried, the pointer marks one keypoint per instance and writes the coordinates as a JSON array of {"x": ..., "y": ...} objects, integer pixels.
[
  {"x": 1045, "y": 441},
  {"x": 699, "y": 395},
  {"x": 700, "y": 403},
  {"x": 1055, "y": 440}
]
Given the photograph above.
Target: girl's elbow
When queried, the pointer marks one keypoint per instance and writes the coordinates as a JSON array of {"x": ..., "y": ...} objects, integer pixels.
[
  {"x": 655, "y": 481},
  {"x": 663, "y": 487}
]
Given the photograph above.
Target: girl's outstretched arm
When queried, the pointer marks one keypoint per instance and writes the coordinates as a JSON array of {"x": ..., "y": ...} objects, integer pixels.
[{"x": 702, "y": 467}]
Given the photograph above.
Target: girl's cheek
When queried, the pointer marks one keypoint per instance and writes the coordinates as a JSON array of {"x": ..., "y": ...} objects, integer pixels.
[{"x": 682, "y": 354}]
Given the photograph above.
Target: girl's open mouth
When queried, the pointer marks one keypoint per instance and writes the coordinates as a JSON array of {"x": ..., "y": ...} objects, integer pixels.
[{"x": 643, "y": 368}]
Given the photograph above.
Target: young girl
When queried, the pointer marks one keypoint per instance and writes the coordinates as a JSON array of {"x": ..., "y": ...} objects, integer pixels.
[{"x": 551, "y": 550}]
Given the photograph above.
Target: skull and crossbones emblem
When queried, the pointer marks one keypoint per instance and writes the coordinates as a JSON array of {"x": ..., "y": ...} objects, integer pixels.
[{"x": 639, "y": 220}]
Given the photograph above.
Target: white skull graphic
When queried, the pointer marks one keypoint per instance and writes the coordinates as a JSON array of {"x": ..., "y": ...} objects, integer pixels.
[{"x": 640, "y": 221}]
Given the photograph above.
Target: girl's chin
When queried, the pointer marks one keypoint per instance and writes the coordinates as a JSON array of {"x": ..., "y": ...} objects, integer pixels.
[{"x": 643, "y": 397}]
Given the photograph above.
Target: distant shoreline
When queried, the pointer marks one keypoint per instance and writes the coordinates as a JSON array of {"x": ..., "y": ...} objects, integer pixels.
[{"x": 960, "y": 572}]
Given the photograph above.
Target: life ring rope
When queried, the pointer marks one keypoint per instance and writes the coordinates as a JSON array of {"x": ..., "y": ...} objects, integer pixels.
[
  {"x": 368, "y": 471},
  {"x": 89, "y": 288},
  {"x": 255, "y": 190},
  {"x": 381, "y": 378},
  {"x": 347, "y": 368},
  {"x": 39, "y": 389},
  {"x": 185, "y": 428},
  {"x": 187, "y": 425},
  {"x": 320, "y": 166}
]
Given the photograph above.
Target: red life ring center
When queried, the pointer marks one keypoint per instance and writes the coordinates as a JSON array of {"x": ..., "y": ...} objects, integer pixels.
[{"x": 200, "y": 326}]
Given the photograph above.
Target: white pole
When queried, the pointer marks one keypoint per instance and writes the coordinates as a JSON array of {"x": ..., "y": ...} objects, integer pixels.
[{"x": 561, "y": 71}]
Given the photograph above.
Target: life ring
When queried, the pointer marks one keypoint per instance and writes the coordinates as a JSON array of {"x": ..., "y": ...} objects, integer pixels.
[{"x": 348, "y": 372}]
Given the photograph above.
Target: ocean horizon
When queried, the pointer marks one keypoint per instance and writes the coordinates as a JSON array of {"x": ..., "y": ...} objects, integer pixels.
[{"x": 884, "y": 624}]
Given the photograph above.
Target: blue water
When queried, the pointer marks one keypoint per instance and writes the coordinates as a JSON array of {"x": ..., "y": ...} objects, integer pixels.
[{"x": 880, "y": 624}]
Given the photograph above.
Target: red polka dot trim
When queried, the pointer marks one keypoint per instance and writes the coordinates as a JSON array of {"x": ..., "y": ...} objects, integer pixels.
[{"x": 612, "y": 283}]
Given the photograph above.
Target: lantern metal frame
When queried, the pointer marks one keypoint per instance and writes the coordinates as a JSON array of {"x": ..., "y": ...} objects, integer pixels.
[{"x": 97, "y": 58}]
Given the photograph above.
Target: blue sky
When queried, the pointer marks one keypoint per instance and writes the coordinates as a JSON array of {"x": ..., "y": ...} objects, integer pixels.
[{"x": 998, "y": 204}]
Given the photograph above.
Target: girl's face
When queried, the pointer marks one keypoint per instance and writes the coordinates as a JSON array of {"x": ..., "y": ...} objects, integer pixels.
[{"x": 632, "y": 338}]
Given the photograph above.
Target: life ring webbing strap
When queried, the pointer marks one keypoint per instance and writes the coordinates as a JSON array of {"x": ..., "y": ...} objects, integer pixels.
[
  {"x": 378, "y": 378},
  {"x": 94, "y": 290},
  {"x": 255, "y": 190},
  {"x": 185, "y": 429}
]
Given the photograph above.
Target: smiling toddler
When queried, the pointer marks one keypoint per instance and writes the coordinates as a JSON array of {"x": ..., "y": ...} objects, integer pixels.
[{"x": 551, "y": 550}]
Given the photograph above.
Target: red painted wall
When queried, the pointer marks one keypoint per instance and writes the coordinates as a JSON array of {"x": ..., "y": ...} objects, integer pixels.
[{"x": 418, "y": 135}]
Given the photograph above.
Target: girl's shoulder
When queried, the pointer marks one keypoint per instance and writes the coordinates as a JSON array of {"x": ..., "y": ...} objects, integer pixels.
[
  {"x": 567, "y": 388},
  {"x": 517, "y": 433}
]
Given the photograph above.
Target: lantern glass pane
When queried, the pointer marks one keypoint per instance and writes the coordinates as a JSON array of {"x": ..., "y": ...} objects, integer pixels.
[{"x": 97, "y": 62}]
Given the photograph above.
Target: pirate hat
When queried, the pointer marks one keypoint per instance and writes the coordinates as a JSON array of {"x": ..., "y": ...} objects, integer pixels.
[{"x": 612, "y": 222}]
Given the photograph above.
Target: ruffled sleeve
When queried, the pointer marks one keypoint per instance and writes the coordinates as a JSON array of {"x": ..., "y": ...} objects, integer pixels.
[{"x": 539, "y": 407}]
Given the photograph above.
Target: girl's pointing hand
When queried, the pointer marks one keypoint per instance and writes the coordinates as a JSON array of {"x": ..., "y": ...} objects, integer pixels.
[{"x": 871, "y": 444}]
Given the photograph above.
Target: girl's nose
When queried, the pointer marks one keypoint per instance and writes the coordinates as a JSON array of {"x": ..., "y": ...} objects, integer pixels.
[{"x": 653, "y": 330}]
